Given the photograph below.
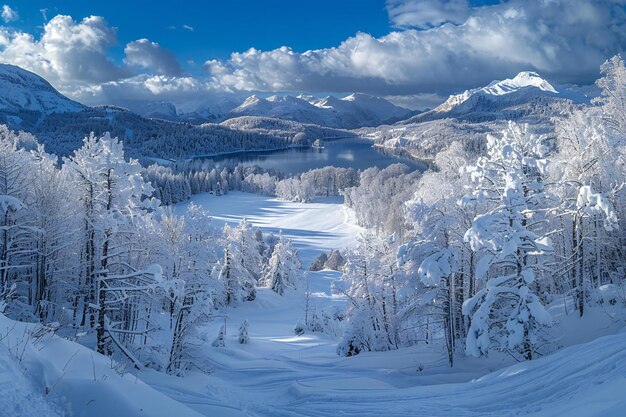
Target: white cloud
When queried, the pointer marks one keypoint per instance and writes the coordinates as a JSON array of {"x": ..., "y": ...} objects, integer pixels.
[
  {"x": 8, "y": 14},
  {"x": 417, "y": 101},
  {"x": 566, "y": 40},
  {"x": 427, "y": 13},
  {"x": 145, "y": 54},
  {"x": 187, "y": 93},
  {"x": 183, "y": 27},
  {"x": 68, "y": 54}
]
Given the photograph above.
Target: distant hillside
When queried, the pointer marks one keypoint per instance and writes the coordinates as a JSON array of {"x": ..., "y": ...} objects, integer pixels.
[
  {"x": 30, "y": 103},
  {"x": 468, "y": 117},
  {"x": 525, "y": 95},
  {"x": 286, "y": 129},
  {"x": 353, "y": 111},
  {"x": 26, "y": 98}
]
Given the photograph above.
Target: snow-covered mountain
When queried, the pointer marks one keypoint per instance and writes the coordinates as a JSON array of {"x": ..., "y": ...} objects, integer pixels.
[
  {"x": 524, "y": 82},
  {"x": 158, "y": 109},
  {"x": 30, "y": 103},
  {"x": 512, "y": 98},
  {"x": 355, "y": 110},
  {"x": 468, "y": 117},
  {"x": 210, "y": 109},
  {"x": 26, "y": 97}
]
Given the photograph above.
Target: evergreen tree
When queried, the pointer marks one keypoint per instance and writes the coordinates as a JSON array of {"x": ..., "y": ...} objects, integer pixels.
[{"x": 507, "y": 314}]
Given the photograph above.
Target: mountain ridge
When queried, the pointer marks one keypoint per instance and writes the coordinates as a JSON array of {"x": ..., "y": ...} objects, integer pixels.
[
  {"x": 29, "y": 103},
  {"x": 511, "y": 98},
  {"x": 349, "y": 112}
]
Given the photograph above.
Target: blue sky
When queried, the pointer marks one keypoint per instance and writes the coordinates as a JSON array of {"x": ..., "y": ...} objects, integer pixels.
[
  {"x": 412, "y": 51},
  {"x": 200, "y": 30}
]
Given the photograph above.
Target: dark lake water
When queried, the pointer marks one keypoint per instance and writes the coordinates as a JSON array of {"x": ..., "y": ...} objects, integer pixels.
[{"x": 344, "y": 153}]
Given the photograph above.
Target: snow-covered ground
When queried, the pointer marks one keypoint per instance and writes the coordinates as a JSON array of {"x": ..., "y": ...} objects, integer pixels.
[
  {"x": 313, "y": 227},
  {"x": 280, "y": 374}
]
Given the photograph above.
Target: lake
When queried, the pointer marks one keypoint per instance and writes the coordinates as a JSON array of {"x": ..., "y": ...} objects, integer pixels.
[{"x": 344, "y": 153}]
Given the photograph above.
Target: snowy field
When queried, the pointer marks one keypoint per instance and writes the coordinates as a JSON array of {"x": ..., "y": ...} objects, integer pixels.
[
  {"x": 313, "y": 227},
  {"x": 280, "y": 374}
]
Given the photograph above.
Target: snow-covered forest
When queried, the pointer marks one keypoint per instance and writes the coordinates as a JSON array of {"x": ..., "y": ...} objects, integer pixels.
[
  {"x": 392, "y": 208},
  {"x": 493, "y": 240}
]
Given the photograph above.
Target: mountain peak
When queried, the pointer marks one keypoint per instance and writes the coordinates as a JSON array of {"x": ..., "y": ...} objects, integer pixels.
[
  {"x": 353, "y": 97},
  {"x": 251, "y": 101},
  {"x": 524, "y": 81},
  {"x": 25, "y": 90},
  {"x": 352, "y": 111}
]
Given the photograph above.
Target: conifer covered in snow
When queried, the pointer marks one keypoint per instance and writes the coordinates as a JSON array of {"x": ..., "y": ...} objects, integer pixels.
[
  {"x": 243, "y": 333},
  {"x": 507, "y": 314},
  {"x": 219, "y": 341},
  {"x": 372, "y": 311},
  {"x": 282, "y": 272}
]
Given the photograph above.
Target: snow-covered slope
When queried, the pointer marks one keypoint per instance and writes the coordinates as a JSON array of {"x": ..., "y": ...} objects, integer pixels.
[
  {"x": 507, "y": 99},
  {"x": 281, "y": 107},
  {"x": 158, "y": 109},
  {"x": 280, "y": 374},
  {"x": 18, "y": 395},
  {"x": 468, "y": 117},
  {"x": 26, "y": 98},
  {"x": 41, "y": 373},
  {"x": 355, "y": 110},
  {"x": 30, "y": 103},
  {"x": 523, "y": 82},
  {"x": 209, "y": 109}
]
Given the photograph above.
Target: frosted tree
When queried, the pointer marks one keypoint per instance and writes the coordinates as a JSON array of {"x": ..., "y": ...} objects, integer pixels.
[
  {"x": 379, "y": 199},
  {"x": 228, "y": 276},
  {"x": 54, "y": 217},
  {"x": 282, "y": 272},
  {"x": 115, "y": 198},
  {"x": 431, "y": 300},
  {"x": 371, "y": 313},
  {"x": 246, "y": 247},
  {"x": 219, "y": 342},
  {"x": 239, "y": 284},
  {"x": 590, "y": 162},
  {"x": 506, "y": 314},
  {"x": 612, "y": 99},
  {"x": 243, "y": 333},
  {"x": 17, "y": 227},
  {"x": 188, "y": 253}
]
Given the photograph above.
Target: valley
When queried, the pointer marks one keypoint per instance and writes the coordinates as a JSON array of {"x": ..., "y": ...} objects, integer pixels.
[{"x": 316, "y": 209}]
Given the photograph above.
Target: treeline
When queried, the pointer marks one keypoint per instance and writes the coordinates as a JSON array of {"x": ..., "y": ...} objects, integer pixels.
[
  {"x": 143, "y": 138},
  {"x": 86, "y": 250},
  {"x": 173, "y": 185}
]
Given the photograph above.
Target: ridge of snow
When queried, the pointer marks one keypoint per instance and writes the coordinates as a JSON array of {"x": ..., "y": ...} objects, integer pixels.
[
  {"x": 24, "y": 90},
  {"x": 354, "y": 110},
  {"x": 523, "y": 81}
]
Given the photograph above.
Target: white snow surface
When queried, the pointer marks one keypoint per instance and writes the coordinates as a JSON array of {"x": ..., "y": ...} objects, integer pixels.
[
  {"x": 354, "y": 110},
  {"x": 314, "y": 227},
  {"x": 526, "y": 80},
  {"x": 280, "y": 374},
  {"x": 77, "y": 380},
  {"x": 24, "y": 90}
]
